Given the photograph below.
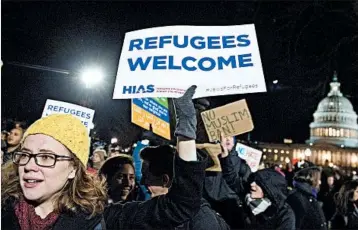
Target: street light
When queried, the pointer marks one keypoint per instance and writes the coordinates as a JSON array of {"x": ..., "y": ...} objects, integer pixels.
[
  {"x": 114, "y": 140},
  {"x": 92, "y": 76},
  {"x": 308, "y": 152}
]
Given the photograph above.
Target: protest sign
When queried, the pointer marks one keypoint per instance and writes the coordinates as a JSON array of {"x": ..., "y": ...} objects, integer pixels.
[
  {"x": 214, "y": 150},
  {"x": 251, "y": 155},
  {"x": 231, "y": 120},
  {"x": 165, "y": 61},
  {"x": 154, "y": 111},
  {"x": 86, "y": 115}
]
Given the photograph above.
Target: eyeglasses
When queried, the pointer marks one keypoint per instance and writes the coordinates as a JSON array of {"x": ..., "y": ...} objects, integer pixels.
[{"x": 41, "y": 159}]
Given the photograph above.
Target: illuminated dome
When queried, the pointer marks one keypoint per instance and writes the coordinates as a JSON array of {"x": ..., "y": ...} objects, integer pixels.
[{"x": 335, "y": 121}]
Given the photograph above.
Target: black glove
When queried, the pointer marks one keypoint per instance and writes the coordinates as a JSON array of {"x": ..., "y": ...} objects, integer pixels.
[
  {"x": 201, "y": 104},
  {"x": 186, "y": 115}
]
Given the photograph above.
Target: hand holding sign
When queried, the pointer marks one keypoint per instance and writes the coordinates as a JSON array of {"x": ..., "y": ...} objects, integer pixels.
[
  {"x": 179, "y": 56},
  {"x": 213, "y": 150},
  {"x": 224, "y": 146},
  {"x": 186, "y": 115}
]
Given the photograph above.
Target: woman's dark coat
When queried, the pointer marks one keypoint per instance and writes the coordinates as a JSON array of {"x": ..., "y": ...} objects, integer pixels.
[
  {"x": 308, "y": 212},
  {"x": 279, "y": 215}
]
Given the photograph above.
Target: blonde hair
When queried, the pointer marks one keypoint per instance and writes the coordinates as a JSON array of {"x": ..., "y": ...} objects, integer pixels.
[{"x": 85, "y": 191}]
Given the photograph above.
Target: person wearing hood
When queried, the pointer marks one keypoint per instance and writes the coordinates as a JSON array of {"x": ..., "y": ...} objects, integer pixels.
[
  {"x": 265, "y": 200},
  {"x": 303, "y": 199},
  {"x": 157, "y": 176},
  {"x": 346, "y": 216},
  {"x": 46, "y": 185}
]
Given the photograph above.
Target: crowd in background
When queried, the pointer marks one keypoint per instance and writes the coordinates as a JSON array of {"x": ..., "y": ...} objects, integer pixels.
[{"x": 300, "y": 196}]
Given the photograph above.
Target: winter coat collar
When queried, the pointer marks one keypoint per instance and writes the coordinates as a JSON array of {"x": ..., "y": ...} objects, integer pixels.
[
  {"x": 67, "y": 220},
  {"x": 305, "y": 188}
]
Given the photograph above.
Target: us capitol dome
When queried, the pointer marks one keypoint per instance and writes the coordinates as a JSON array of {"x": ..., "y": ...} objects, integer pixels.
[
  {"x": 333, "y": 139},
  {"x": 335, "y": 121}
]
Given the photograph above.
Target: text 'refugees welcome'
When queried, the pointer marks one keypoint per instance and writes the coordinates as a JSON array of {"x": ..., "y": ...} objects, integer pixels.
[{"x": 190, "y": 63}]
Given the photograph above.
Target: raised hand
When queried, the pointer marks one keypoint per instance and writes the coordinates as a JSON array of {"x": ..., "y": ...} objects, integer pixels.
[
  {"x": 186, "y": 115},
  {"x": 224, "y": 146}
]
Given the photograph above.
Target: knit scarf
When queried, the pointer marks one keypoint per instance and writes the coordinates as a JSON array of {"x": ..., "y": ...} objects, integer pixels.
[
  {"x": 257, "y": 206},
  {"x": 29, "y": 220}
]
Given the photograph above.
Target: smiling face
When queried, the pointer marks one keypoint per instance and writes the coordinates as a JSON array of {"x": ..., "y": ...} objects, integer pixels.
[
  {"x": 122, "y": 183},
  {"x": 40, "y": 184},
  {"x": 14, "y": 137}
]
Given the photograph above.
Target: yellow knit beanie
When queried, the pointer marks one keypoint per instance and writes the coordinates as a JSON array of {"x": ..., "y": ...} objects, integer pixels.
[{"x": 66, "y": 129}]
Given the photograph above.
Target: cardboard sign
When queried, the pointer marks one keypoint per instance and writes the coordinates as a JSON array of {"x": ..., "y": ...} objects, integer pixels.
[
  {"x": 154, "y": 111},
  {"x": 251, "y": 155},
  {"x": 165, "y": 61},
  {"x": 86, "y": 115},
  {"x": 231, "y": 120},
  {"x": 214, "y": 150}
]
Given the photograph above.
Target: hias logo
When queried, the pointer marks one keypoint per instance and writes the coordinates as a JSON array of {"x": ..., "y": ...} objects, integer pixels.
[{"x": 134, "y": 89}]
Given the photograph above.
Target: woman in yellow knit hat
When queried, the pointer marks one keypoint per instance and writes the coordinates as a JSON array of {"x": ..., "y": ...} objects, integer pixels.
[{"x": 47, "y": 187}]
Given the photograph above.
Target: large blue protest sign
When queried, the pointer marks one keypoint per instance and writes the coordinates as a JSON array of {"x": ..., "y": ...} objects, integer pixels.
[
  {"x": 86, "y": 115},
  {"x": 165, "y": 61}
]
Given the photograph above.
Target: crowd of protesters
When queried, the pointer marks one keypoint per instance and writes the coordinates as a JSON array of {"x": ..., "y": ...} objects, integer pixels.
[{"x": 52, "y": 179}]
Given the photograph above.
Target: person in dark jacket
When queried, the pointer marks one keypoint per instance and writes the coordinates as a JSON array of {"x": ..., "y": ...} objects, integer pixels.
[
  {"x": 303, "y": 199},
  {"x": 47, "y": 186},
  {"x": 220, "y": 196},
  {"x": 346, "y": 216},
  {"x": 239, "y": 169},
  {"x": 157, "y": 176},
  {"x": 326, "y": 196},
  {"x": 265, "y": 199},
  {"x": 289, "y": 174},
  {"x": 120, "y": 176}
]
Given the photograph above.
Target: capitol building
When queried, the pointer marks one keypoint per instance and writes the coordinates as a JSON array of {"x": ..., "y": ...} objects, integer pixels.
[{"x": 333, "y": 136}]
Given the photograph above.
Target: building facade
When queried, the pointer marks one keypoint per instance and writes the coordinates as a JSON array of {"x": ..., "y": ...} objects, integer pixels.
[{"x": 333, "y": 136}]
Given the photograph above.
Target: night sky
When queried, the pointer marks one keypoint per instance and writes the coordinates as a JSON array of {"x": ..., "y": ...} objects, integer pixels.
[{"x": 301, "y": 44}]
